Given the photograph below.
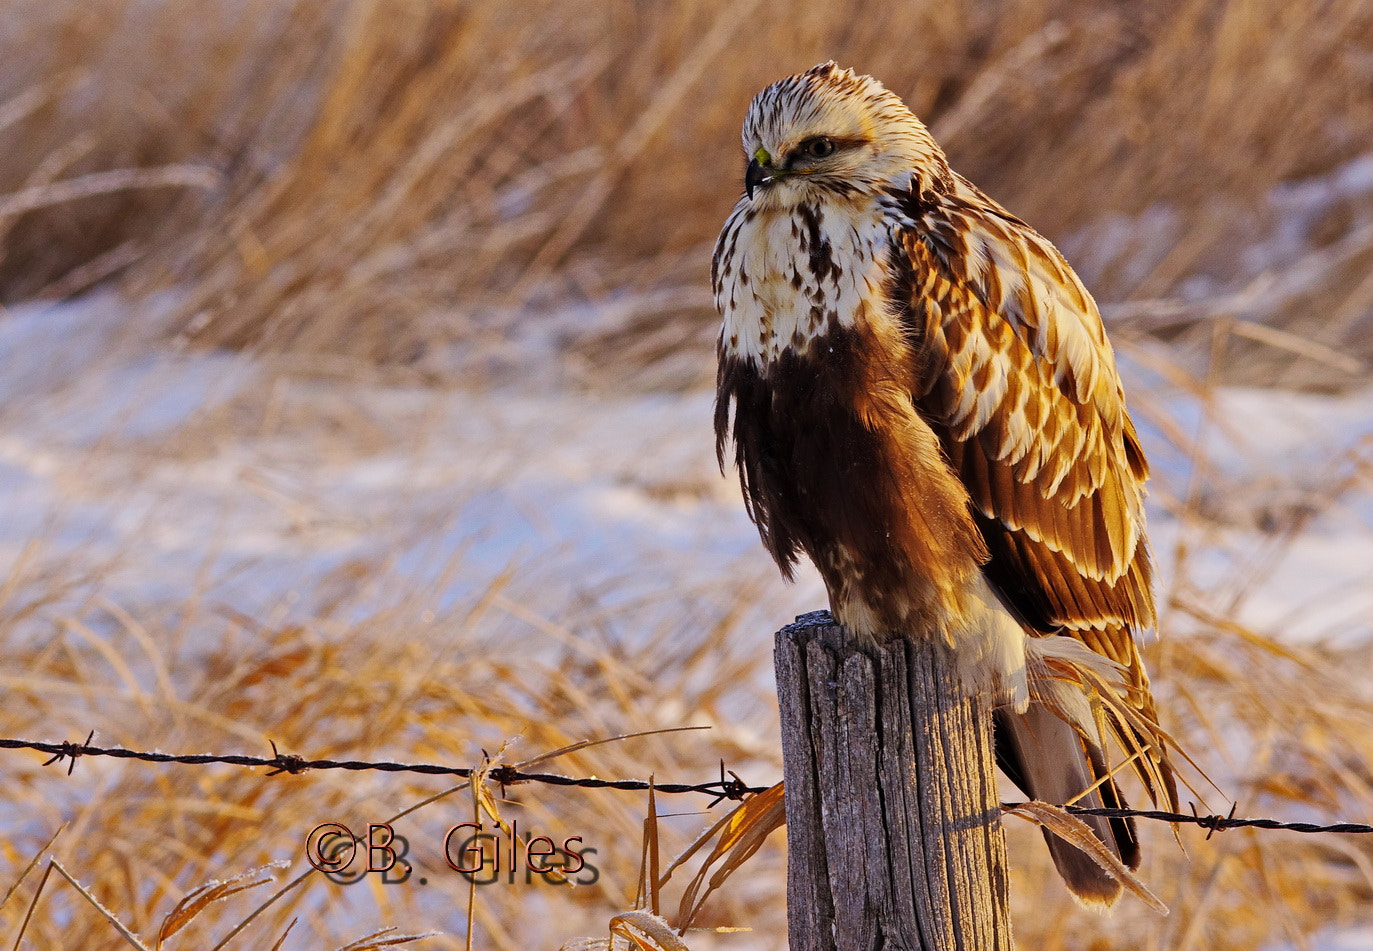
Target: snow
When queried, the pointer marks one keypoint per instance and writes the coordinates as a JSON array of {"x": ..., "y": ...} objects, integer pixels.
[{"x": 131, "y": 455}]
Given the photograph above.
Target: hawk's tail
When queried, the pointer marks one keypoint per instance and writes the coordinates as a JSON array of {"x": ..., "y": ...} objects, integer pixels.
[
  {"x": 1052, "y": 748},
  {"x": 1051, "y": 761}
]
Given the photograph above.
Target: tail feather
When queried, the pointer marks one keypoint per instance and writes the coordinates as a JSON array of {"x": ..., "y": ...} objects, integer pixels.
[
  {"x": 1104, "y": 699},
  {"x": 1051, "y": 761}
]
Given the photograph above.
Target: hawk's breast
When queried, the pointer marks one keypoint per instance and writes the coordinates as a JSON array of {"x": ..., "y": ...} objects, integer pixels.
[{"x": 833, "y": 457}]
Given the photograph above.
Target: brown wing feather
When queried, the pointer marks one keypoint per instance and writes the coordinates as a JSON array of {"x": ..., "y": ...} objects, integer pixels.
[{"x": 1020, "y": 382}]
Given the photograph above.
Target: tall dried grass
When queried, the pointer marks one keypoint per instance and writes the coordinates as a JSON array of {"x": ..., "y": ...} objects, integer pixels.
[{"x": 407, "y": 181}]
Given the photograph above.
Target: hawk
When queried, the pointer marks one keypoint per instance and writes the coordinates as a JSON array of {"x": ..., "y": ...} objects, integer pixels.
[{"x": 922, "y": 399}]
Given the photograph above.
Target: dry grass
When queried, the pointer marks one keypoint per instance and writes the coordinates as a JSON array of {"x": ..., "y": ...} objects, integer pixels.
[
  {"x": 401, "y": 183},
  {"x": 1287, "y": 730},
  {"x": 469, "y": 194},
  {"x": 402, "y": 683}
]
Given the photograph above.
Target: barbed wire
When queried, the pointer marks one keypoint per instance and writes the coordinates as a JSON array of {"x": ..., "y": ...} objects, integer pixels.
[
  {"x": 726, "y": 787},
  {"x": 729, "y": 786},
  {"x": 1216, "y": 823}
]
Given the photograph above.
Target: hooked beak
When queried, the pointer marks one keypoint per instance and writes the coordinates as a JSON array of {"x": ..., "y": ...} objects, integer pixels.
[{"x": 755, "y": 176}]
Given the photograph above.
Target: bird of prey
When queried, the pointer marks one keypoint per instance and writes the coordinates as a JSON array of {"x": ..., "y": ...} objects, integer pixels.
[{"x": 922, "y": 399}]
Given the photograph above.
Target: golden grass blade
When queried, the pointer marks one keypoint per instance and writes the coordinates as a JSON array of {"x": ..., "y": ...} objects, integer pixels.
[
  {"x": 640, "y": 930},
  {"x": 1074, "y": 831},
  {"x": 428, "y": 800},
  {"x": 742, "y": 833},
  {"x": 972, "y": 104},
  {"x": 1282, "y": 339},
  {"x": 108, "y": 915},
  {"x": 471, "y": 904},
  {"x": 209, "y": 893},
  {"x": 284, "y": 935},
  {"x": 299, "y": 879},
  {"x": 139, "y": 633},
  {"x": 384, "y": 939},
  {"x": 33, "y": 903},
  {"x": 33, "y": 862},
  {"x": 482, "y": 799},
  {"x": 709, "y": 834},
  {"x": 280, "y": 894},
  {"x": 107, "y": 651},
  {"x": 18, "y": 571},
  {"x": 646, "y": 932},
  {"x": 587, "y": 744},
  {"x": 651, "y": 841}
]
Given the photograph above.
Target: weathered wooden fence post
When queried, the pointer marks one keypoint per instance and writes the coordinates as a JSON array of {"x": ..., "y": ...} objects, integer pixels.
[{"x": 893, "y": 824}]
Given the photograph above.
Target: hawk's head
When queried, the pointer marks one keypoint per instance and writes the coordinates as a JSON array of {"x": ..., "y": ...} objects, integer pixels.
[{"x": 830, "y": 130}]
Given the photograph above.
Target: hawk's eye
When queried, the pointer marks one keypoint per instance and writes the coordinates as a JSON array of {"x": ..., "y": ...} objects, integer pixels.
[{"x": 818, "y": 147}]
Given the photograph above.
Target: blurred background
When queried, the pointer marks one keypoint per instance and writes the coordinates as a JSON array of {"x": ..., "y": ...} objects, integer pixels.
[{"x": 355, "y": 378}]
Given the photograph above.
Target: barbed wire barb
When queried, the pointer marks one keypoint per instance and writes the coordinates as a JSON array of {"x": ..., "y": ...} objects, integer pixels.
[
  {"x": 286, "y": 763},
  {"x": 70, "y": 751}
]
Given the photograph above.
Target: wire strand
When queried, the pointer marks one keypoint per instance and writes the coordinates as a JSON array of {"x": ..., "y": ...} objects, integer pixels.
[{"x": 726, "y": 787}]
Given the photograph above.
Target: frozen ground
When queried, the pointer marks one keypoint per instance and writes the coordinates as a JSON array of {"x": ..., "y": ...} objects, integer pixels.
[{"x": 165, "y": 467}]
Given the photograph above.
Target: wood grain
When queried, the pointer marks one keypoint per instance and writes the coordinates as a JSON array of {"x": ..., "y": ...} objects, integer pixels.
[{"x": 893, "y": 822}]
